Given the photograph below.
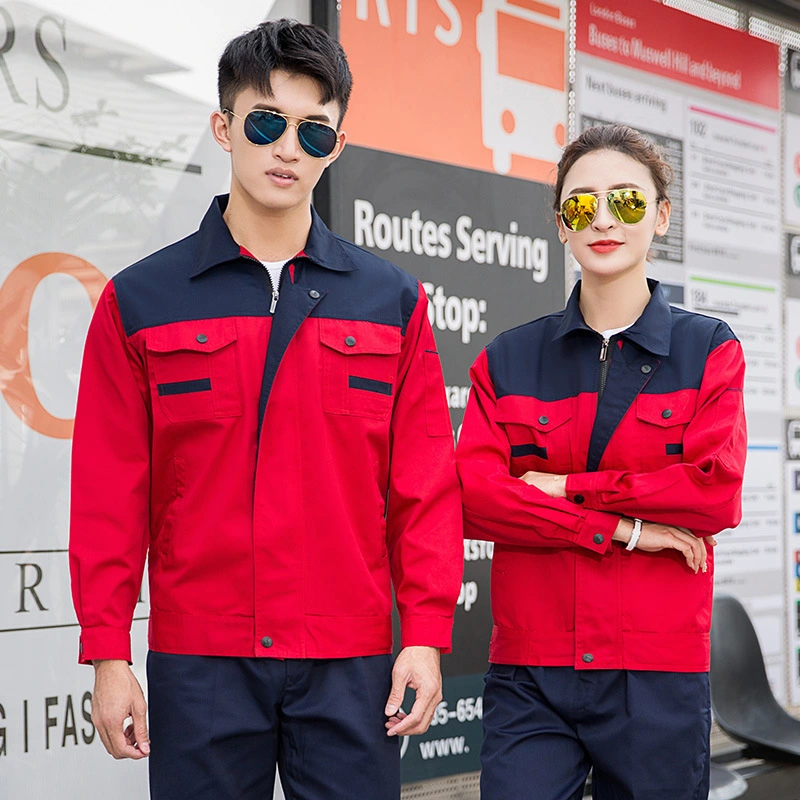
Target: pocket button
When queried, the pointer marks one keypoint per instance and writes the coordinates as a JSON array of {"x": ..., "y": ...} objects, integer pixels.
[
  {"x": 202, "y": 338},
  {"x": 350, "y": 341}
]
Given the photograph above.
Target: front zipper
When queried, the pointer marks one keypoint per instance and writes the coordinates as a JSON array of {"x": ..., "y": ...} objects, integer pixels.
[
  {"x": 605, "y": 364},
  {"x": 275, "y": 295},
  {"x": 273, "y": 289}
]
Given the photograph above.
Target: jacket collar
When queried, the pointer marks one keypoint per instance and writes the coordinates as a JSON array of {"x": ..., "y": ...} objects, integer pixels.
[
  {"x": 652, "y": 331},
  {"x": 216, "y": 246}
]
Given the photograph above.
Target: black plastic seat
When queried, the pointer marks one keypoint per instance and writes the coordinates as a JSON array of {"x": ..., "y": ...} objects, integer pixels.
[{"x": 741, "y": 698}]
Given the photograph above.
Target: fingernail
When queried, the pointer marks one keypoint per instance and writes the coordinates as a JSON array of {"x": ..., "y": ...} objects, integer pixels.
[{"x": 145, "y": 747}]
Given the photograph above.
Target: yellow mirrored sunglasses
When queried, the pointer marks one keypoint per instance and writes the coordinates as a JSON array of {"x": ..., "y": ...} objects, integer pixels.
[{"x": 627, "y": 205}]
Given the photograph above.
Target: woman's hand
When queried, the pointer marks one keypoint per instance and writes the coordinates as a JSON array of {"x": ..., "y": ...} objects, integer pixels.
[
  {"x": 656, "y": 536},
  {"x": 551, "y": 485}
]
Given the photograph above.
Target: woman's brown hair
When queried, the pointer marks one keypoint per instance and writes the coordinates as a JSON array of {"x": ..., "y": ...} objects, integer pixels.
[{"x": 623, "y": 139}]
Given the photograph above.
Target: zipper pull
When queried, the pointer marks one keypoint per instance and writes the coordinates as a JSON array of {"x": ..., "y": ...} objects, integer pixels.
[
  {"x": 274, "y": 303},
  {"x": 604, "y": 350}
]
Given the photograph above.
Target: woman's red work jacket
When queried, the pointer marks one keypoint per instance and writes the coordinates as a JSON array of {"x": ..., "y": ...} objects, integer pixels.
[{"x": 665, "y": 442}]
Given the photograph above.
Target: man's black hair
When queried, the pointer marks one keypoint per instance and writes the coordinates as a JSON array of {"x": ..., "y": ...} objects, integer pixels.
[{"x": 289, "y": 45}]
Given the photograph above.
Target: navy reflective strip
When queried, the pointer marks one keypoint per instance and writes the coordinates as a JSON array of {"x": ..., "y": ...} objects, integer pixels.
[
  {"x": 520, "y": 450},
  {"x": 369, "y": 385},
  {"x": 674, "y": 449},
  {"x": 184, "y": 387}
]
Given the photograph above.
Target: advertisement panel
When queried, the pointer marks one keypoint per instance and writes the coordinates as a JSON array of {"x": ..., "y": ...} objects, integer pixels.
[
  {"x": 488, "y": 258},
  {"x": 791, "y": 321},
  {"x": 106, "y": 156},
  {"x": 791, "y": 207},
  {"x": 792, "y": 494},
  {"x": 710, "y": 97},
  {"x": 791, "y": 121},
  {"x": 453, "y": 131},
  {"x": 454, "y": 82}
]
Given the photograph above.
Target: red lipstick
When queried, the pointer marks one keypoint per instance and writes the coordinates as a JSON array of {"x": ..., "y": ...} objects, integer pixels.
[{"x": 605, "y": 246}]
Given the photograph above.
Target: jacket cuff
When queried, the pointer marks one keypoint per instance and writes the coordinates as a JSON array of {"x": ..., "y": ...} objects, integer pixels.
[
  {"x": 104, "y": 643},
  {"x": 596, "y": 531},
  {"x": 427, "y": 631},
  {"x": 581, "y": 489}
]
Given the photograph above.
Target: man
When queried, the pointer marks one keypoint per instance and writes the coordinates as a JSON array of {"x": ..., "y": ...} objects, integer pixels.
[{"x": 262, "y": 411}]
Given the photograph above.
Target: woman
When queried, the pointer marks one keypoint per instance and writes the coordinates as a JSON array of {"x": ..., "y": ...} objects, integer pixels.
[{"x": 602, "y": 447}]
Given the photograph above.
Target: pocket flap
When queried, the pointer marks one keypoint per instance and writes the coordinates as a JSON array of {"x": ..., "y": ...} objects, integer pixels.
[
  {"x": 665, "y": 411},
  {"x": 353, "y": 337},
  {"x": 202, "y": 335},
  {"x": 532, "y": 412}
]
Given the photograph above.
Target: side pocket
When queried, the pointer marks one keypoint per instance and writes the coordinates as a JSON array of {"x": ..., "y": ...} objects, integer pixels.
[
  {"x": 166, "y": 510},
  {"x": 437, "y": 415}
]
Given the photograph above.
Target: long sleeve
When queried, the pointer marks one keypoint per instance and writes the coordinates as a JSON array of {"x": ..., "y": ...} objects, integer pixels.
[
  {"x": 704, "y": 492},
  {"x": 501, "y": 508},
  {"x": 424, "y": 530},
  {"x": 109, "y": 527}
]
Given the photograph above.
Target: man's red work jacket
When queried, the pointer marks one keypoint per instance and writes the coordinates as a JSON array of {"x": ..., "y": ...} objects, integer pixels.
[
  {"x": 281, "y": 469},
  {"x": 665, "y": 442}
]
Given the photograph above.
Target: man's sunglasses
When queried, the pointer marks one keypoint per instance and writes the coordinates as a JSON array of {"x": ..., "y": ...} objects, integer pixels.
[
  {"x": 627, "y": 205},
  {"x": 265, "y": 127}
]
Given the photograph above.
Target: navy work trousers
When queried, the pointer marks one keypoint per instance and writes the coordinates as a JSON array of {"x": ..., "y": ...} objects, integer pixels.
[
  {"x": 219, "y": 726},
  {"x": 645, "y": 735}
]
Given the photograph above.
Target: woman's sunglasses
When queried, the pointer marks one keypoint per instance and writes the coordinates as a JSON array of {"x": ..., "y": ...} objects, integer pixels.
[
  {"x": 627, "y": 205},
  {"x": 265, "y": 127}
]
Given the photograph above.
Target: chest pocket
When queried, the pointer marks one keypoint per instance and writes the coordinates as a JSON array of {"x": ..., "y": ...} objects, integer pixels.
[
  {"x": 359, "y": 367},
  {"x": 192, "y": 367},
  {"x": 538, "y": 432},
  {"x": 662, "y": 423}
]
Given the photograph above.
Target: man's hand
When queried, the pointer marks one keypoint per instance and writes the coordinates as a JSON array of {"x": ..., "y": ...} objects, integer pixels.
[
  {"x": 551, "y": 485},
  {"x": 656, "y": 536},
  {"x": 117, "y": 696},
  {"x": 417, "y": 667}
]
